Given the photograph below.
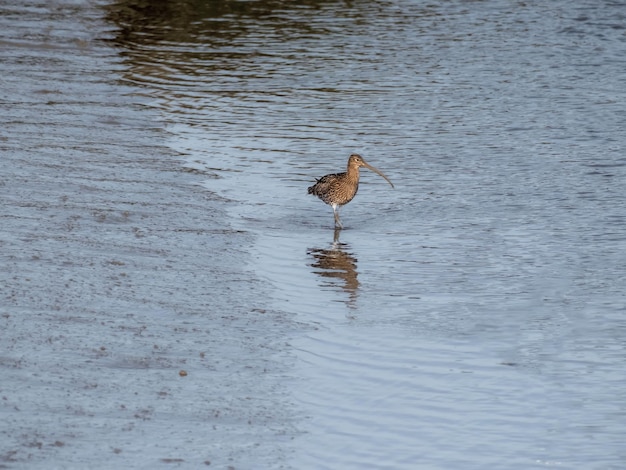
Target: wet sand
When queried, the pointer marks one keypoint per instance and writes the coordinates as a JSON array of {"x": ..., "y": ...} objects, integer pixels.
[{"x": 132, "y": 334}]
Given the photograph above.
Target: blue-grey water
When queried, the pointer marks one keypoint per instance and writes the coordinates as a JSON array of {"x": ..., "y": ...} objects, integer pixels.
[{"x": 473, "y": 317}]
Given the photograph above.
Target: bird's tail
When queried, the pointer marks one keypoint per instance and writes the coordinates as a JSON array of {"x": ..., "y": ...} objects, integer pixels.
[{"x": 312, "y": 188}]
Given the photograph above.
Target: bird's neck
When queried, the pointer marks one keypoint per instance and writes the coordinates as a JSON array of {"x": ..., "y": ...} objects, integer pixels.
[{"x": 353, "y": 173}]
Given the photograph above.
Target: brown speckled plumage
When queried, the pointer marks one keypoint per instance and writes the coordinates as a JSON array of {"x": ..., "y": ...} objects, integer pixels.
[{"x": 339, "y": 189}]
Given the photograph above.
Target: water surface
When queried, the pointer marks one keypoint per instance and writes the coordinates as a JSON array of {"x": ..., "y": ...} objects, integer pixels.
[{"x": 474, "y": 316}]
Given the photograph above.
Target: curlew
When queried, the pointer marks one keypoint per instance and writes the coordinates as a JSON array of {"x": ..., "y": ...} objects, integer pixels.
[{"x": 338, "y": 189}]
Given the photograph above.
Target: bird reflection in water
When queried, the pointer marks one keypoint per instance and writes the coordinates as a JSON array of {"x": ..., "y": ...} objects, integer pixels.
[{"x": 338, "y": 266}]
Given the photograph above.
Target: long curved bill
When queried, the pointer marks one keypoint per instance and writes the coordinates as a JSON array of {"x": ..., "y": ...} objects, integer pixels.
[{"x": 376, "y": 170}]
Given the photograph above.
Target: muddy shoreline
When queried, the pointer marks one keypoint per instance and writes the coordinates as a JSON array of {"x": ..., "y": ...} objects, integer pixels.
[{"x": 132, "y": 333}]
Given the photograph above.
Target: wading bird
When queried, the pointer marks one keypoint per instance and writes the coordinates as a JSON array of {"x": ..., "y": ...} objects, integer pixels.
[{"x": 339, "y": 189}]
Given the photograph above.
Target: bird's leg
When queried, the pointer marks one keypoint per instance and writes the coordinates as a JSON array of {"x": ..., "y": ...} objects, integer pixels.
[{"x": 336, "y": 212}]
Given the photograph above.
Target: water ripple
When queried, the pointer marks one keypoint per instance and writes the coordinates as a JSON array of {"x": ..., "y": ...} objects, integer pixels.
[{"x": 460, "y": 320}]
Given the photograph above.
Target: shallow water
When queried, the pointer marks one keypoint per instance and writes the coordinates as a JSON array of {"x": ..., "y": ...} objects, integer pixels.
[
  {"x": 471, "y": 317},
  {"x": 462, "y": 318}
]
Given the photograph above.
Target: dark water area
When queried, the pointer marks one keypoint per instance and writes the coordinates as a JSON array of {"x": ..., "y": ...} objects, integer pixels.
[{"x": 173, "y": 297}]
